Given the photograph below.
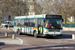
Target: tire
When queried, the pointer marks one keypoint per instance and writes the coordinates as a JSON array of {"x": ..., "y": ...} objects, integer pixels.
[
  {"x": 19, "y": 33},
  {"x": 35, "y": 35}
]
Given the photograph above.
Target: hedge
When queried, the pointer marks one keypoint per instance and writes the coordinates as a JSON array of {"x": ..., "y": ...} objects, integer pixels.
[{"x": 69, "y": 22}]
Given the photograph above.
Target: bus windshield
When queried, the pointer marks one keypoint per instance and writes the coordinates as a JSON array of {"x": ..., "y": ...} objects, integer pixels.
[{"x": 53, "y": 23}]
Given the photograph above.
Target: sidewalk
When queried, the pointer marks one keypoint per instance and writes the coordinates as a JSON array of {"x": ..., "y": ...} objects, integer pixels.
[
  {"x": 9, "y": 41},
  {"x": 68, "y": 29}
]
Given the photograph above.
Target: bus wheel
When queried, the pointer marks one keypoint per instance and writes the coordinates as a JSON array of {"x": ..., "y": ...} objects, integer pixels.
[
  {"x": 19, "y": 33},
  {"x": 35, "y": 35}
]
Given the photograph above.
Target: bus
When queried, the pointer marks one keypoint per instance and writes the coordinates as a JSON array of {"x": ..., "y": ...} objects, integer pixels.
[{"x": 39, "y": 25}]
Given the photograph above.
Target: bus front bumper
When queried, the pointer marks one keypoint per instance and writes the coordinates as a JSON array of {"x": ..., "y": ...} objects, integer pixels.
[{"x": 53, "y": 34}]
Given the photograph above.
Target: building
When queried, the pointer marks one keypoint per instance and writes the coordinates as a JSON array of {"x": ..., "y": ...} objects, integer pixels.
[
  {"x": 71, "y": 19},
  {"x": 30, "y": 7}
]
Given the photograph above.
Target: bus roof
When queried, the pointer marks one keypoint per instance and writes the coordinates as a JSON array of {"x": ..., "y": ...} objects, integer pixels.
[{"x": 33, "y": 16}]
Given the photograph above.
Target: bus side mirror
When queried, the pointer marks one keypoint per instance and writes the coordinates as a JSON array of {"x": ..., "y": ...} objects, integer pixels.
[{"x": 62, "y": 20}]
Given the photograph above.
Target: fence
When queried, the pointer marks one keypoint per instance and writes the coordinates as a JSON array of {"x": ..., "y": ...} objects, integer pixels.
[{"x": 70, "y": 25}]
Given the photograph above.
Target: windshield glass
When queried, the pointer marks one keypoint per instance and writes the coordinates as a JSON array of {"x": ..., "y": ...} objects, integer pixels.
[{"x": 53, "y": 23}]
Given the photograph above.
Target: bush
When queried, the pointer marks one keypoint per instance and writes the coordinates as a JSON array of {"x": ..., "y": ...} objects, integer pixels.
[{"x": 69, "y": 24}]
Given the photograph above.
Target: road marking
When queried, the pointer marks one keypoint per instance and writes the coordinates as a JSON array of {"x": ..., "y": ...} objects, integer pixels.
[
  {"x": 22, "y": 43},
  {"x": 20, "y": 40},
  {"x": 59, "y": 41}
]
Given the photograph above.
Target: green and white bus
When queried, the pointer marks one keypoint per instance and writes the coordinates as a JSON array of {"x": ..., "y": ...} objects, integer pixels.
[{"x": 39, "y": 25}]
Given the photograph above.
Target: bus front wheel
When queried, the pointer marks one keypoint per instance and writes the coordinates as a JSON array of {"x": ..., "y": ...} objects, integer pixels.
[
  {"x": 35, "y": 35},
  {"x": 19, "y": 33}
]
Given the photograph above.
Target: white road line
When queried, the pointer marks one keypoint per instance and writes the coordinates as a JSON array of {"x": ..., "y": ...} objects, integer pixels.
[
  {"x": 20, "y": 40},
  {"x": 59, "y": 41},
  {"x": 22, "y": 43}
]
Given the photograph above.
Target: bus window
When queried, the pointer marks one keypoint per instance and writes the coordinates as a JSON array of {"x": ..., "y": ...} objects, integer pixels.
[
  {"x": 53, "y": 23},
  {"x": 22, "y": 22},
  {"x": 40, "y": 22},
  {"x": 31, "y": 23},
  {"x": 26, "y": 22},
  {"x": 18, "y": 22},
  {"x": 35, "y": 22}
]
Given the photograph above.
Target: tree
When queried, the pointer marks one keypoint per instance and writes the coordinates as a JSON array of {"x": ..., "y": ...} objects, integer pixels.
[
  {"x": 37, "y": 7},
  {"x": 64, "y": 7},
  {"x": 13, "y": 7},
  {"x": 46, "y": 4}
]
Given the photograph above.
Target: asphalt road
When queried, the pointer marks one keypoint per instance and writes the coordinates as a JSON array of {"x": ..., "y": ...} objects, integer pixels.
[{"x": 42, "y": 43}]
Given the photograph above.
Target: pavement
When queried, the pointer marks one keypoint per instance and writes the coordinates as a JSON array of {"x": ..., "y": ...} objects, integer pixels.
[
  {"x": 9, "y": 40},
  {"x": 25, "y": 42},
  {"x": 68, "y": 29}
]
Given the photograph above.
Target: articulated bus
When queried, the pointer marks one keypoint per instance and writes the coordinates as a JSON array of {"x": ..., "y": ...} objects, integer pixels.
[{"x": 39, "y": 25}]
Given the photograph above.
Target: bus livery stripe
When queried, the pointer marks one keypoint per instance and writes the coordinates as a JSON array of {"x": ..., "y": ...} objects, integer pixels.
[{"x": 35, "y": 28}]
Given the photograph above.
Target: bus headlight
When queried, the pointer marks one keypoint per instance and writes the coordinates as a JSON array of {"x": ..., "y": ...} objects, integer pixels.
[{"x": 46, "y": 31}]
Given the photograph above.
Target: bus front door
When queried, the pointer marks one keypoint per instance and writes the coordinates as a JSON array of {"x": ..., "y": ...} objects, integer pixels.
[
  {"x": 40, "y": 30},
  {"x": 40, "y": 27}
]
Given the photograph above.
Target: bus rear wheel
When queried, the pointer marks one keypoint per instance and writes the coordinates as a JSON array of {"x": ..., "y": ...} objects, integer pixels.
[{"x": 35, "y": 35}]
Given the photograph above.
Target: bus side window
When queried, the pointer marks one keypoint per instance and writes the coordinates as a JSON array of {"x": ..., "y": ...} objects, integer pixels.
[
  {"x": 32, "y": 23},
  {"x": 19, "y": 24},
  {"x": 25, "y": 24},
  {"x": 8, "y": 23},
  {"x": 36, "y": 22}
]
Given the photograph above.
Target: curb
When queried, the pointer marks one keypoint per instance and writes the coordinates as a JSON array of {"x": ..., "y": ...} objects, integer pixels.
[{"x": 20, "y": 40}]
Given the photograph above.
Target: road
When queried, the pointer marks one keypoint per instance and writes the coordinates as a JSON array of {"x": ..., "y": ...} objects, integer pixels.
[{"x": 42, "y": 43}]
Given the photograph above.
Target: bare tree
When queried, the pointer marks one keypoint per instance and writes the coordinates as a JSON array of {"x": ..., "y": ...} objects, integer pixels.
[
  {"x": 64, "y": 7},
  {"x": 13, "y": 7},
  {"x": 46, "y": 4},
  {"x": 38, "y": 8}
]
